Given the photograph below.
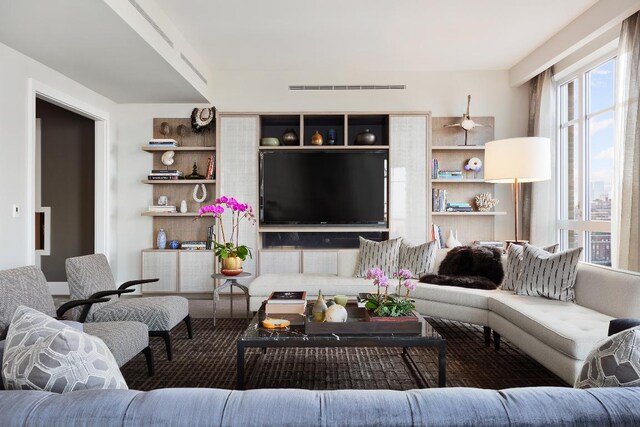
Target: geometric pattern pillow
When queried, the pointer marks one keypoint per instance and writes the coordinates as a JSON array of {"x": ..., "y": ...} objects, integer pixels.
[
  {"x": 42, "y": 353},
  {"x": 548, "y": 275},
  {"x": 383, "y": 255},
  {"x": 615, "y": 362},
  {"x": 419, "y": 260},
  {"x": 514, "y": 265}
]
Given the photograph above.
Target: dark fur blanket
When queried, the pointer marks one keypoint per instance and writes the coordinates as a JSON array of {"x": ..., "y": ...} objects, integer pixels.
[{"x": 478, "y": 267}]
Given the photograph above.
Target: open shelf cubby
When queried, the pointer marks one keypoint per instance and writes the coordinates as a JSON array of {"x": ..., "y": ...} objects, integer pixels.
[
  {"x": 378, "y": 124},
  {"x": 322, "y": 124},
  {"x": 273, "y": 126}
]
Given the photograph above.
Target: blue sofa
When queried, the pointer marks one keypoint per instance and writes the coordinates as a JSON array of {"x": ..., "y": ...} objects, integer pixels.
[{"x": 534, "y": 406}]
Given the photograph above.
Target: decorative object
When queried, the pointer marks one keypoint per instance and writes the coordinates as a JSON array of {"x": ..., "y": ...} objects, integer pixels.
[
  {"x": 195, "y": 193},
  {"x": 290, "y": 137},
  {"x": 336, "y": 314},
  {"x": 202, "y": 119},
  {"x": 319, "y": 307},
  {"x": 420, "y": 259},
  {"x": 163, "y": 201},
  {"x": 161, "y": 240},
  {"x": 174, "y": 244},
  {"x": 385, "y": 305},
  {"x": 341, "y": 299},
  {"x": 182, "y": 131},
  {"x": 517, "y": 160},
  {"x": 514, "y": 265},
  {"x": 383, "y": 254},
  {"x": 270, "y": 142},
  {"x": 332, "y": 137},
  {"x": 365, "y": 137},
  {"x": 316, "y": 139},
  {"x": 165, "y": 129},
  {"x": 42, "y": 353},
  {"x": 452, "y": 241},
  {"x": 168, "y": 158},
  {"x": 485, "y": 202},
  {"x": 183, "y": 206},
  {"x": 474, "y": 164},
  {"x": 466, "y": 124},
  {"x": 230, "y": 252},
  {"x": 275, "y": 323},
  {"x": 194, "y": 173}
]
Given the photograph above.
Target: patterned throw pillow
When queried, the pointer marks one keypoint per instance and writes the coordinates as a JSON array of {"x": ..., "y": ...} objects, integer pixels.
[
  {"x": 383, "y": 254},
  {"x": 514, "y": 265},
  {"x": 420, "y": 259},
  {"x": 548, "y": 275},
  {"x": 42, "y": 353},
  {"x": 614, "y": 362}
]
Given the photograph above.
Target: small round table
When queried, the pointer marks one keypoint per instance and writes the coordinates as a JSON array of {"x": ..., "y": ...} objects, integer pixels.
[{"x": 229, "y": 282}]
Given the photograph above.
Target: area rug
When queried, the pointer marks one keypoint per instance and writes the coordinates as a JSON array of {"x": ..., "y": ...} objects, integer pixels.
[{"x": 209, "y": 360}]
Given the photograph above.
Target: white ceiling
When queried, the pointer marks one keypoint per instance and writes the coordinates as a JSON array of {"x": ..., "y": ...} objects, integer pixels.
[{"x": 369, "y": 34}]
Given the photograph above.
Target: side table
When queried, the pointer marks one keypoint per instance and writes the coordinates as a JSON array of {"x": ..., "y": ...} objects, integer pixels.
[{"x": 229, "y": 282}]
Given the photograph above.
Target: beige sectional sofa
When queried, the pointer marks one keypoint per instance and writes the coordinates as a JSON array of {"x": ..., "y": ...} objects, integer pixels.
[{"x": 557, "y": 334}]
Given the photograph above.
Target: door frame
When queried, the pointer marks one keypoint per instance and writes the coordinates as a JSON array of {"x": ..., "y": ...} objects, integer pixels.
[{"x": 102, "y": 206}]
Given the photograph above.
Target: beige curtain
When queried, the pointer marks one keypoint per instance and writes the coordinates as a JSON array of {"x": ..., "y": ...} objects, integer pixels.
[
  {"x": 538, "y": 199},
  {"x": 626, "y": 226}
]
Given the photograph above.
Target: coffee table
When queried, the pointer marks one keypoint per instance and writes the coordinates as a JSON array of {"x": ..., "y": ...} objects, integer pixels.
[{"x": 255, "y": 336}]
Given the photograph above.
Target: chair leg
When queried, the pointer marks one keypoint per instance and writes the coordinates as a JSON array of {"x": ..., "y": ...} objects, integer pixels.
[
  {"x": 148, "y": 354},
  {"x": 187, "y": 321},
  {"x": 167, "y": 340},
  {"x": 487, "y": 336},
  {"x": 496, "y": 340}
]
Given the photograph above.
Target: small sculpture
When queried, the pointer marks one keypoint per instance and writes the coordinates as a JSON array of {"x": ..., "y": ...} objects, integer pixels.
[
  {"x": 335, "y": 313},
  {"x": 167, "y": 157},
  {"x": 194, "y": 173},
  {"x": 485, "y": 202},
  {"x": 474, "y": 164}
]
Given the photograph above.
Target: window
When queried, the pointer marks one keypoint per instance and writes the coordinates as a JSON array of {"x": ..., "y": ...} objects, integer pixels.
[{"x": 585, "y": 168}]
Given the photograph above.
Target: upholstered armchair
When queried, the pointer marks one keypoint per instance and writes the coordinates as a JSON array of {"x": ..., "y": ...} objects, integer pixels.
[
  {"x": 27, "y": 286},
  {"x": 90, "y": 277}
]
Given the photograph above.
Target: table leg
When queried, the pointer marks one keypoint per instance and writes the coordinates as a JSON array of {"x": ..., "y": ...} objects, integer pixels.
[
  {"x": 215, "y": 293},
  {"x": 231, "y": 294},
  {"x": 442, "y": 365},
  {"x": 240, "y": 366}
]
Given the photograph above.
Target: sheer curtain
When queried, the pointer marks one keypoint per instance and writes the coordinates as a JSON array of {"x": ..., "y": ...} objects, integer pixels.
[
  {"x": 538, "y": 199},
  {"x": 626, "y": 215}
]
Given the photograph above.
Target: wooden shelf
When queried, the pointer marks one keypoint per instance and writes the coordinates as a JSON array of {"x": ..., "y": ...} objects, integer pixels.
[
  {"x": 461, "y": 181},
  {"x": 467, "y": 213},
  {"x": 178, "y": 181},
  {"x": 457, "y": 147},
  {"x": 173, "y": 214},
  {"x": 325, "y": 147},
  {"x": 176, "y": 250},
  {"x": 267, "y": 229},
  {"x": 152, "y": 149}
]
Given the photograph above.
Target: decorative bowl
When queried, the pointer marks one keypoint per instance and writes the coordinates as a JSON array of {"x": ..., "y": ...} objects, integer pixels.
[
  {"x": 270, "y": 142},
  {"x": 233, "y": 272}
]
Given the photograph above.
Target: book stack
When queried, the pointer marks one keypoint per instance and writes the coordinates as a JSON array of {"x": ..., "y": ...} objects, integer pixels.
[
  {"x": 438, "y": 236},
  {"x": 194, "y": 245},
  {"x": 435, "y": 168},
  {"x": 452, "y": 175},
  {"x": 156, "y": 208},
  {"x": 165, "y": 174},
  {"x": 286, "y": 302},
  {"x": 438, "y": 200},
  {"x": 160, "y": 142},
  {"x": 459, "y": 207},
  {"x": 211, "y": 167},
  {"x": 496, "y": 244}
]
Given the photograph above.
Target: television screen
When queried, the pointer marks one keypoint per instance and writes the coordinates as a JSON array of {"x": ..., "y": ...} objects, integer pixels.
[{"x": 323, "y": 187}]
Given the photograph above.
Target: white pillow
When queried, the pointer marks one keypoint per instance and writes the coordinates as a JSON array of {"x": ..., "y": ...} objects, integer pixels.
[
  {"x": 42, "y": 353},
  {"x": 383, "y": 255}
]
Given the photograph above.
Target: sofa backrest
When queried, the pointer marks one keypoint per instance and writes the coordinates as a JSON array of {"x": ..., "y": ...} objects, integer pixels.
[
  {"x": 347, "y": 262},
  {"x": 609, "y": 291}
]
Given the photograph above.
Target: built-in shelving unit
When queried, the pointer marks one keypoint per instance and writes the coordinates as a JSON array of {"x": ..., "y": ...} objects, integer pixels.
[
  {"x": 178, "y": 181},
  {"x": 468, "y": 214},
  {"x": 181, "y": 148}
]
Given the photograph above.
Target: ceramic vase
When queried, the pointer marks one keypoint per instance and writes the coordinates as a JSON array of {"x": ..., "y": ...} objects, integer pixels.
[
  {"x": 161, "y": 240},
  {"x": 316, "y": 139},
  {"x": 452, "y": 241},
  {"x": 183, "y": 206},
  {"x": 319, "y": 307}
]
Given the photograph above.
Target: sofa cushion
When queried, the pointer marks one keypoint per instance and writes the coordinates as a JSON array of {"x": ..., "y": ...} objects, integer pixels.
[
  {"x": 467, "y": 297},
  {"x": 383, "y": 255},
  {"x": 419, "y": 259},
  {"x": 330, "y": 284},
  {"x": 513, "y": 269},
  {"x": 569, "y": 328},
  {"x": 548, "y": 275},
  {"x": 42, "y": 353},
  {"x": 614, "y": 362}
]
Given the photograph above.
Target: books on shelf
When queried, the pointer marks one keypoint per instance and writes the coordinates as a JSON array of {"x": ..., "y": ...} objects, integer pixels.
[
  {"x": 156, "y": 208},
  {"x": 286, "y": 302},
  {"x": 159, "y": 174},
  {"x": 459, "y": 207},
  {"x": 210, "y": 238},
  {"x": 453, "y": 175},
  {"x": 497, "y": 244},
  {"x": 435, "y": 168},
  {"x": 211, "y": 167},
  {"x": 438, "y": 235},
  {"x": 193, "y": 245},
  {"x": 438, "y": 200},
  {"x": 163, "y": 142}
]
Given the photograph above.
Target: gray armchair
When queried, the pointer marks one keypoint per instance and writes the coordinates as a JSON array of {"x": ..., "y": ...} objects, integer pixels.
[
  {"x": 28, "y": 286},
  {"x": 90, "y": 277}
]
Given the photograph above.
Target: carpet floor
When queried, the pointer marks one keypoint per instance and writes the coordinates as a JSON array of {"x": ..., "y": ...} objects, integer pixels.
[{"x": 209, "y": 360}]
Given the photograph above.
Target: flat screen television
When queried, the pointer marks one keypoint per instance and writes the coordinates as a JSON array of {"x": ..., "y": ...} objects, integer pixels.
[{"x": 323, "y": 187}]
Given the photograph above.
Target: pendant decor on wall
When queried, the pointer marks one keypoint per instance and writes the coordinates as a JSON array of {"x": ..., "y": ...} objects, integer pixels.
[
  {"x": 202, "y": 119},
  {"x": 195, "y": 193}
]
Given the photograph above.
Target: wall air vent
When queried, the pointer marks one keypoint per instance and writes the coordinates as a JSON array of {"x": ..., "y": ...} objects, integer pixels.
[
  {"x": 193, "y": 68},
  {"x": 347, "y": 87},
  {"x": 150, "y": 20}
]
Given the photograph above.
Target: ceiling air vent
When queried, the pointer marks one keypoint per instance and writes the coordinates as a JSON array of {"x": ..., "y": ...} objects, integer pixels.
[
  {"x": 347, "y": 87},
  {"x": 150, "y": 20},
  {"x": 193, "y": 67}
]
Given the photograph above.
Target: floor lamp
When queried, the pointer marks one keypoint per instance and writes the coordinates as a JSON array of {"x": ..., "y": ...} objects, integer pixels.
[{"x": 515, "y": 161}]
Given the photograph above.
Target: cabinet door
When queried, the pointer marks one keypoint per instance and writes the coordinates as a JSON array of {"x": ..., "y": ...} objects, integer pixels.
[
  {"x": 164, "y": 266},
  {"x": 325, "y": 262},
  {"x": 279, "y": 262},
  {"x": 408, "y": 178},
  {"x": 195, "y": 271}
]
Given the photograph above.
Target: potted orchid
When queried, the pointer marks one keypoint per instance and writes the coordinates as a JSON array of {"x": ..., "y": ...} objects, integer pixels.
[
  {"x": 229, "y": 251},
  {"x": 384, "y": 305}
]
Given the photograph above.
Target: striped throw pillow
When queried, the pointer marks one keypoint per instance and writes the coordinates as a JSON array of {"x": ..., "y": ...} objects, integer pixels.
[
  {"x": 549, "y": 275},
  {"x": 514, "y": 265},
  {"x": 420, "y": 259},
  {"x": 383, "y": 255}
]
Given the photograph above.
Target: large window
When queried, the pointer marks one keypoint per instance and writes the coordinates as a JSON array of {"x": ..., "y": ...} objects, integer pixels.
[{"x": 585, "y": 167}]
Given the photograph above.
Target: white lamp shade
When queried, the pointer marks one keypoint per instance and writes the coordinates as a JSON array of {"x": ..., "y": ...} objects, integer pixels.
[{"x": 525, "y": 159}]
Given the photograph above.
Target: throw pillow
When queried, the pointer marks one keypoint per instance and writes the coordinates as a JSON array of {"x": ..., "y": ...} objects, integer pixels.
[
  {"x": 548, "y": 275},
  {"x": 514, "y": 265},
  {"x": 419, "y": 259},
  {"x": 42, "y": 353},
  {"x": 614, "y": 362},
  {"x": 383, "y": 255}
]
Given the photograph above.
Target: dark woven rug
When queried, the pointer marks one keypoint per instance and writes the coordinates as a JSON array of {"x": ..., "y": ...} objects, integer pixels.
[{"x": 209, "y": 360}]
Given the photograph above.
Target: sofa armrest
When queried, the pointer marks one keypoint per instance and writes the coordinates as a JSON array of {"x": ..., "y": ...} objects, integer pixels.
[
  {"x": 130, "y": 283},
  {"x": 71, "y": 304},
  {"x": 622, "y": 324}
]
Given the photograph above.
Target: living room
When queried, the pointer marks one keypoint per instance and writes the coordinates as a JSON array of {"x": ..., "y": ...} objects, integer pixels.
[{"x": 351, "y": 142}]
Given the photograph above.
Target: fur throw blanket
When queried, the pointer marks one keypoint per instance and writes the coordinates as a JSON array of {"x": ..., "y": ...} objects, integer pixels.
[{"x": 478, "y": 267}]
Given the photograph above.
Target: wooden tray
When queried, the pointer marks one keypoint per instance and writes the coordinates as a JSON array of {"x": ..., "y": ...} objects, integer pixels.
[{"x": 357, "y": 324}]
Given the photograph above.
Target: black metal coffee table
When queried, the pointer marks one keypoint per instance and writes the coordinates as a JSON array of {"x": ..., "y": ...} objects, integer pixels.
[{"x": 258, "y": 337}]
